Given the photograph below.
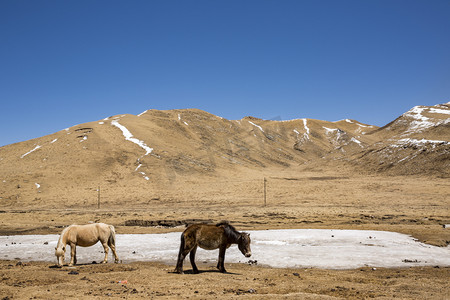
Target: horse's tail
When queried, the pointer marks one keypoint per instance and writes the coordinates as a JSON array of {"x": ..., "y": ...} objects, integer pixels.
[
  {"x": 182, "y": 244},
  {"x": 112, "y": 236}
]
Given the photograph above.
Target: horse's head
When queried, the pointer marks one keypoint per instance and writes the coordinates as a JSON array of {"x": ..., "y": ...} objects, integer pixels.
[
  {"x": 244, "y": 244},
  {"x": 60, "y": 255}
]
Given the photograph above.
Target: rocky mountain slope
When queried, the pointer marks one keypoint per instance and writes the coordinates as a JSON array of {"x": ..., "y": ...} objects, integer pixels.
[
  {"x": 417, "y": 143},
  {"x": 150, "y": 151}
]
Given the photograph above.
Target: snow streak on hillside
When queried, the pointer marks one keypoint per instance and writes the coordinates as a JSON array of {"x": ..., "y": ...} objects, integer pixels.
[
  {"x": 129, "y": 137},
  {"x": 35, "y": 148}
]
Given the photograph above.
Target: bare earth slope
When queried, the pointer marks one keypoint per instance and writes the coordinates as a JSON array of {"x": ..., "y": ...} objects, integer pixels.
[{"x": 146, "y": 152}]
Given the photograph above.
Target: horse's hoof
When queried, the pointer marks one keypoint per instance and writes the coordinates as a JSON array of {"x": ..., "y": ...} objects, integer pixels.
[
  {"x": 104, "y": 262},
  {"x": 178, "y": 272}
]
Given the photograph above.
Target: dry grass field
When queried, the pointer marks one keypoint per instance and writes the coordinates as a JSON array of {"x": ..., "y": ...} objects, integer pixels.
[{"x": 417, "y": 206}]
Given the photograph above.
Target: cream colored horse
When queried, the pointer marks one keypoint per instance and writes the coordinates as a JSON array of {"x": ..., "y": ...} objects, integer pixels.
[{"x": 85, "y": 236}]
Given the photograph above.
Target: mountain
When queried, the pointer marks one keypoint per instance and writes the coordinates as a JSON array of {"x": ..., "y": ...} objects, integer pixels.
[
  {"x": 144, "y": 155},
  {"x": 416, "y": 143}
]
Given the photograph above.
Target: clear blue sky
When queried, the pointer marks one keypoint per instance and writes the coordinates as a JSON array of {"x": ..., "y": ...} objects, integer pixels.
[{"x": 64, "y": 63}]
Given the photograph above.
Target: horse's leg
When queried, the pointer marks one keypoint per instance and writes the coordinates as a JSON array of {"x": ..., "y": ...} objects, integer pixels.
[
  {"x": 181, "y": 255},
  {"x": 113, "y": 248},
  {"x": 221, "y": 262},
  {"x": 192, "y": 259},
  {"x": 105, "y": 247},
  {"x": 112, "y": 243},
  {"x": 72, "y": 254}
]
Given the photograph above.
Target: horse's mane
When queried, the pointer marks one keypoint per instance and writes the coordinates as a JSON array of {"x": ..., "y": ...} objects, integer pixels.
[
  {"x": 62, "y": 235},
  {"x": 230, "y": 231}
]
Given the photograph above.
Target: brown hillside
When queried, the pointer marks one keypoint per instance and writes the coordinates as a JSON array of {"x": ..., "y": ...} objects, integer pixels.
[
  {"x": 416, "y": 143},
  {"x": 140, "y": 157}
]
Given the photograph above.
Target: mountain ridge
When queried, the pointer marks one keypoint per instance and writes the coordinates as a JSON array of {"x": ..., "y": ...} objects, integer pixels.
[{"x": 155, "y": 148}]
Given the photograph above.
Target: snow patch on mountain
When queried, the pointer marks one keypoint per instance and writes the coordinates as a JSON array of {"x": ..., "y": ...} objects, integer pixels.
[
  {"x": 31, "y": 151},
  {"x": 306, "y": 134},
  {"x": 142, "y": 113},
  {"x": 129, "y": 137},
  {"x": 415, "y": 142},
  {"x": 356, "y": 141},
  {"x": 420, "y": 122},
  {"x": 259, "y": 127}
]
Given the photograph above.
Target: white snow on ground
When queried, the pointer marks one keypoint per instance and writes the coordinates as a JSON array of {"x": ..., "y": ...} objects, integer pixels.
[
  {"x": 37, "y": 185},
  {"x": 142, "y": 113},
  {"x": 439, "y": 111},
  {"x": 179, "y": 119},
  {"x": 338, "y": 132},
  {"x": 293, "y": 248},
  {"x": 35, "y": 148},
  {"x": 421, "y": 122},
  {"x": 53, "y": 141},
  {"x": 129, "y": 137},
  {"x": 306, "y": 134},
  {"x": 356, "y": 141},
  {"x": 329, "y": 130},
  {"x": 360, "y": 125},
  {"x": 145, "y": 175},
  {"x": 422, "y": 142},
  {"x": 260, "y": 128}
]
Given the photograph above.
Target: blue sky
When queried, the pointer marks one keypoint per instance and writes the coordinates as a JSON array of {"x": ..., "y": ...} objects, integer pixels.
[{"x": 64, "y": 63}]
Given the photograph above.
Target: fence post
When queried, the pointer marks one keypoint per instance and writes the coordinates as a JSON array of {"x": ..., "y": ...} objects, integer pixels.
[
  {"x": 98, "y": 198},
  {"x": 265, "y": 194}
]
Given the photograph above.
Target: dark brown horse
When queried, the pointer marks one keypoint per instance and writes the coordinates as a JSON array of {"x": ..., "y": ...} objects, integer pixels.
[{"x": 210, "y": 237}]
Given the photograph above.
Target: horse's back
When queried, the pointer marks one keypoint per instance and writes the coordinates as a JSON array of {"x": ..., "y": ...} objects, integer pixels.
[
  {"x": 204, "y": 235},
  {"x": 89, "y": 234},
  {"x": 203, "y": 230}
]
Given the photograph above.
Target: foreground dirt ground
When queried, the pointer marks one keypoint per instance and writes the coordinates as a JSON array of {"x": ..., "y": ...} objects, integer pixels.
[
  {"x": 418, "y": 206},
  {"x": 38, "y": 280}
]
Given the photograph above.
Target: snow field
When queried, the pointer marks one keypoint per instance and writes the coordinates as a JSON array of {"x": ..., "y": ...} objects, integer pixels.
[{"x": 290, "y": 248}]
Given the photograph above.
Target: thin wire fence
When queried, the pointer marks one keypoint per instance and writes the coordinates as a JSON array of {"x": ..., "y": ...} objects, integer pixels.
[{"x": 251, "y": 192}]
